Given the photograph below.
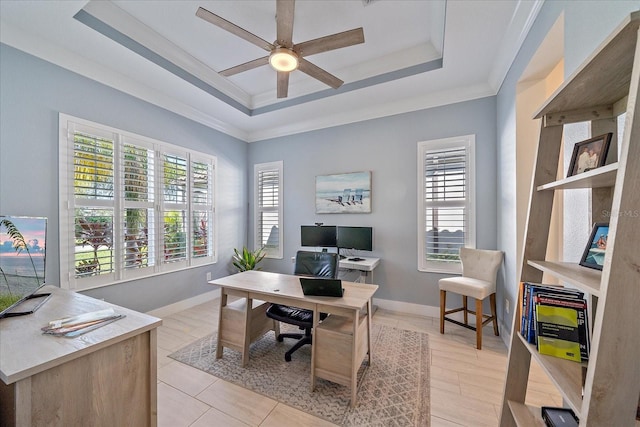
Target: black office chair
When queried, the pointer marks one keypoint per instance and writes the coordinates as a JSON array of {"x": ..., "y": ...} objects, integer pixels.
[{"x": 313, "y": 264}]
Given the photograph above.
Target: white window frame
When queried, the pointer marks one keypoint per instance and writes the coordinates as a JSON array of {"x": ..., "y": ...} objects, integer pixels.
[
  {"x": 257, "y": 168},
  {"x": 424, "y": 147},
  {"x": 67, "y": 126}
]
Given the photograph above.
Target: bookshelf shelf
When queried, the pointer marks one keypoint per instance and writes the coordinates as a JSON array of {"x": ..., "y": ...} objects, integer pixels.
[
  {"x": 583, "y": 278},
  {"x": 565, "y": 374},
  {"x": 608, "y": 80},
  {"x": 604, "y": 176},
  {"x": 526, "y": 415}
]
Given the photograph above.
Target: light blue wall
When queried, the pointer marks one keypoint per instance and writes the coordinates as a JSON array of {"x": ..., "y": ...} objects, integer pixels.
[
  {"x": 32, "y": 93},
  {"x": 388, "y": 148},
  {"x": 586, "y": 25}
]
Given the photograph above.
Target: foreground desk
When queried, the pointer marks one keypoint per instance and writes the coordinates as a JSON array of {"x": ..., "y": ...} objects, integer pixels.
[
  {"x": 106, "y": 377},
  {"x": 354, "y": 306}
]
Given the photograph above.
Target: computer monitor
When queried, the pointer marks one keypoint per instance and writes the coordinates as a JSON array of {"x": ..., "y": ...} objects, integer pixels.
[
  {"x": 314, "y": 235},
  {"x": 360, "y": 238},
  {"x": 22, "y": 264}
]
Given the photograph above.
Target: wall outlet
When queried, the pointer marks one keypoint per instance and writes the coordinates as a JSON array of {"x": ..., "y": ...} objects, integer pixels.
[
  {"x": 208, "y": 275},
  {"x": 506, "y": 305}
]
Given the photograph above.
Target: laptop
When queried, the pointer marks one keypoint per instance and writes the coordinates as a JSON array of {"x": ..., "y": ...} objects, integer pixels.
[{"x": 314, "y": 286}]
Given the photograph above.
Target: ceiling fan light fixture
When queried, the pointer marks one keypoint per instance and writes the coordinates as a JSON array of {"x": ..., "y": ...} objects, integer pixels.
[{"x": 283, "y": 59}]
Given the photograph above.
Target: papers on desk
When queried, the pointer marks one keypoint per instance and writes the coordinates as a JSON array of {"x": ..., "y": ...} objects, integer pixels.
[{"x": 77, "y": 325}]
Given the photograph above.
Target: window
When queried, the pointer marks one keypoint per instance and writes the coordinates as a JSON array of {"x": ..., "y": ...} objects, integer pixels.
[
  {"x": 130, "y": 206},
  {"x": 446, "y": 208},
  {"x": 268, "y": 208}
]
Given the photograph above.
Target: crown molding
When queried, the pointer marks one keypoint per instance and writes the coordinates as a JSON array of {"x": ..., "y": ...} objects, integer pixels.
[
  {"x": 432, "y": 100},
  {"x": 522, "y": 20}
]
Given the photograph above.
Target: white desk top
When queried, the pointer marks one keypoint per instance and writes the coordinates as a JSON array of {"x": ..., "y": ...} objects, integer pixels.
[
  {"x": 268, "y": 284},
  {"x": 367, "y": 263},
  {"x": 25, "y": 351}
]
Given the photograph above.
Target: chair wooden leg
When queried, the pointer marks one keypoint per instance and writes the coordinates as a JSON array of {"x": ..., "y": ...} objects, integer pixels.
[
  {"x": 479, "y": 324},
  {"x": 466, "y": 309},
  {"x": 443, "y": 300},
  {"x": 492, "y": 299}
]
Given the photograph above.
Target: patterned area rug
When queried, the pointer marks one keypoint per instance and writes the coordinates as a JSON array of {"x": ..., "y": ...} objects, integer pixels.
[{"x": 394, "y": 391}]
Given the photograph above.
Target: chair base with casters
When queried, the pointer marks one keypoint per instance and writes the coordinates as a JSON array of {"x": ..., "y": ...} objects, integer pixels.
[
  {"x": 308, "y": 264},
  {"x": 295, "y": 316},
  {"x": 478, "y": 281}
]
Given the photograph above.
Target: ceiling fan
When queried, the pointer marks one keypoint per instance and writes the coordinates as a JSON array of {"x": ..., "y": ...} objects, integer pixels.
[{"x": 285, "y": 56}]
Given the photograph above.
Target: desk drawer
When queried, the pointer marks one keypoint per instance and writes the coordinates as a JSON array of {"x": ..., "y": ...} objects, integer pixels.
[{"x": 333, "y": 340}]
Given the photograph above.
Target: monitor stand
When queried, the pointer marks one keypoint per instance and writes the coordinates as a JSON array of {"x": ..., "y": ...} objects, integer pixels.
[{"x": 27, "y": 306}]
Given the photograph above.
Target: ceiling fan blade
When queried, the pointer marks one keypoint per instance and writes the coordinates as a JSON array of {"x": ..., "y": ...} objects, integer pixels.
[
  {"x": 327, "y": 43},
  {"x": 245, "y": 67},
  {"x": 284, "y": 22},
  {"x": 319, "y": 74},
  {"x": 233, "y": 28},
  {"x": 283, "y": 84}
]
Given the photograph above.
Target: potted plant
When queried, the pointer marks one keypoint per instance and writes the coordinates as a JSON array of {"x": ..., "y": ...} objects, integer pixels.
[{"x": 247, "y": 260}]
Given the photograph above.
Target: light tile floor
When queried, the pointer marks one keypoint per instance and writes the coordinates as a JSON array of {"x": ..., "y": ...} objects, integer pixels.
[{"x": 466, "y": 384}]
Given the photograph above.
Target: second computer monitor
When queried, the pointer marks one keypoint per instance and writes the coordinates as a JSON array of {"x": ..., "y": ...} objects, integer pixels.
[{"x": 360, "y": 238}]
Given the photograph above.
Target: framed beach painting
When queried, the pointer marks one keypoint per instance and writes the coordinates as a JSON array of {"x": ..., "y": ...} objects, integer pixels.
[
  {"x": 593, "y": 256},
  {"x": 344, "y": 193}
]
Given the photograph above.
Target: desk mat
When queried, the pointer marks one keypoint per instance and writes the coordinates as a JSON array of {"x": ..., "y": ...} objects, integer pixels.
[{"x": 394, "y": 391}]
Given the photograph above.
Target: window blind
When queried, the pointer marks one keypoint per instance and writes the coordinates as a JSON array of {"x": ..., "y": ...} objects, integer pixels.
[
  {"x": 445, "y": 211},
  {"x": 93, "y": 188},
  {"x": 138, "y": 189},
  {"x": 445, "y": 190},
  {"x": 130, "y": 206},
  {"x": 175, "y": 198},
  {"x": 268, "y": 207},
  {"x": 201, "y": 201}
]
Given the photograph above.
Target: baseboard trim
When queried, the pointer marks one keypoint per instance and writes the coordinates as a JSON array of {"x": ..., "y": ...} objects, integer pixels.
[
  {"x": 390, "y": 305},
  {"x": 170, "y": 309},
  {"x": 407, "y": 308}
]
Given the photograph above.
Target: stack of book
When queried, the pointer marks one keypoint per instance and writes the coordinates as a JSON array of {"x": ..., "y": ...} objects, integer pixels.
[
  {"x": 77, "y": 325},
  {"x": 555, "y": 319}
]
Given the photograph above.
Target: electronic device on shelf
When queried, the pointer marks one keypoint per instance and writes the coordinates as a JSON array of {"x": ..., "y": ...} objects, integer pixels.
[
  {"x": 22, "y": 264},
  {"x": 559, "y": 417}
]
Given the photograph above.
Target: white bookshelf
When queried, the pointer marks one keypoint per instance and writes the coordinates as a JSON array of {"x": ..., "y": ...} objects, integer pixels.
[{"x": 610, "y": 76}]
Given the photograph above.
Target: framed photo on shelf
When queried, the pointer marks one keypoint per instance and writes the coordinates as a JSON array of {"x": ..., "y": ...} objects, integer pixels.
[
  {"x": 593, "y": 256},
  {"x": 589, "y": 154}
]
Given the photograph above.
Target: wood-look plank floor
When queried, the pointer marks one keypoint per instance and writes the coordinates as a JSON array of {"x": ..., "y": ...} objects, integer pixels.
[{"x": 466, "y": 384}]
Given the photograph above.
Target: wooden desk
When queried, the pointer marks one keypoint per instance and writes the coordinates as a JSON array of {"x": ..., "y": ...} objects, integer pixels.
[
  {"x": 285, "y": 289},
  {"x": 106, "y": 377},
  {"x": 365, "y": 266}
]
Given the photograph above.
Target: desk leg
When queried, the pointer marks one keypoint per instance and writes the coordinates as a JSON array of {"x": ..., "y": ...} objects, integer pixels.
[
  {"x": 369, "y": 319},
  {"x": 247, "y": 332},
  {"x": 355, "y": 365},
  {"x": 316, "y": 321},
  {"x": 223, "y": 303}
]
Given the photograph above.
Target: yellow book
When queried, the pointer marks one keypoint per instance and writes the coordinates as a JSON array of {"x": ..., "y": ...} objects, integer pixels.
[{"x": 557, "y": 329}]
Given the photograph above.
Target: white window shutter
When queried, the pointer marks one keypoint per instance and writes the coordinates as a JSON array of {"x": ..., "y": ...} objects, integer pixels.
[
  {"x": 446, "y": 215},
  {"x": 268, "y": 208}
]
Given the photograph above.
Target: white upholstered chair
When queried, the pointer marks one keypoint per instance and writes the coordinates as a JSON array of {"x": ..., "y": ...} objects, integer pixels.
[{"x": 478, "y": 280}]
